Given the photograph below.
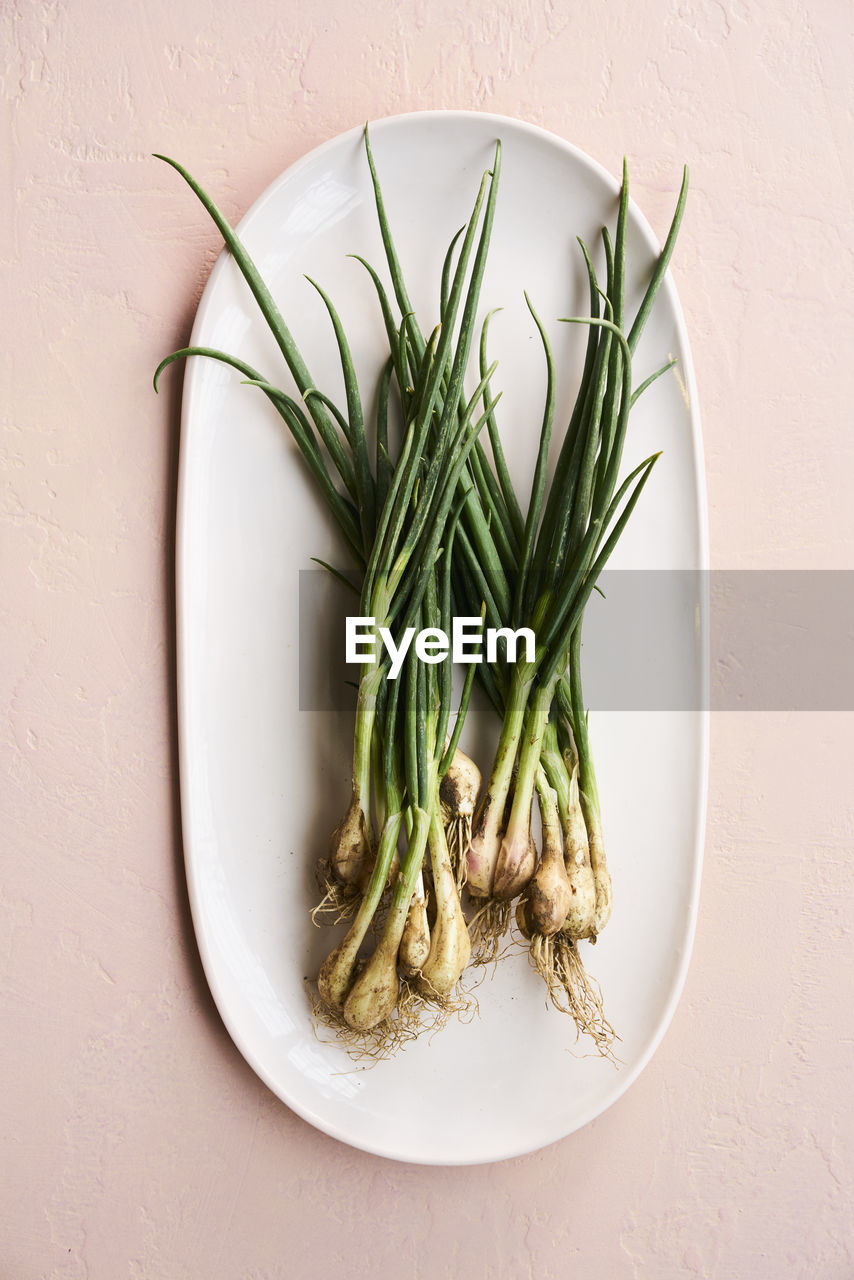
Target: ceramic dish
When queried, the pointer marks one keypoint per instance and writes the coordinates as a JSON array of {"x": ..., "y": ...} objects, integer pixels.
[{"x": 263, "y": 782}]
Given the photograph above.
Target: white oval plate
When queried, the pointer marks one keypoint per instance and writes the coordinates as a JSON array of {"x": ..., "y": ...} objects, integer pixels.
[{"x": 262, "y": 783}]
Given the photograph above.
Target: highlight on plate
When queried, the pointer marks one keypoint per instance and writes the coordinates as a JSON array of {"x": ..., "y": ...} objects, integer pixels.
[{"x": 436, "y": 869}]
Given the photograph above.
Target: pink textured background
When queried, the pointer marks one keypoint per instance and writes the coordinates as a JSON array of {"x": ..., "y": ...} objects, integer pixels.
[{"x": 136, "y": 1143}]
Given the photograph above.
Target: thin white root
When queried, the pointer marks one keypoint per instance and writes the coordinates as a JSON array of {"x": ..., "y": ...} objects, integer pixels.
[
  {"x": 572, "y": 990},
  {"x": 338, "y": 901},
  {"x": 418, "y": 1012},
  {"x": 458, "y": 835},
  {"x": 488, "y": 929},
  {"x": 375, "y": 1044}
]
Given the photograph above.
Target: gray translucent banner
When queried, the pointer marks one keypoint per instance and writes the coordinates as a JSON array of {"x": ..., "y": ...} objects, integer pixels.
[{"x": 777, "y": 641}]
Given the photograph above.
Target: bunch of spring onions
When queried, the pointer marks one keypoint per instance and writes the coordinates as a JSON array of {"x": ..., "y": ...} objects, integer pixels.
[
  {"x": 567, "y": 536},
  {"x": 398, "y": 518},
  {"x": 435, "y": 528},
  {"x": 539, "y": 570}
]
